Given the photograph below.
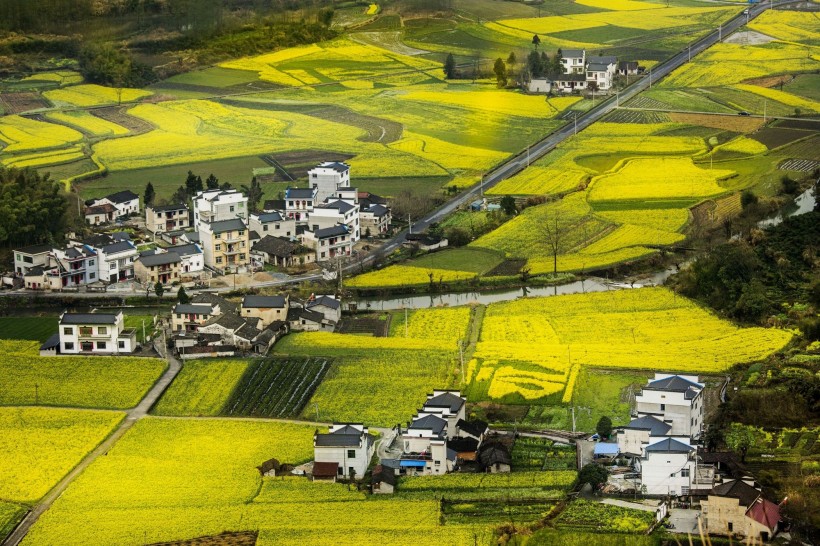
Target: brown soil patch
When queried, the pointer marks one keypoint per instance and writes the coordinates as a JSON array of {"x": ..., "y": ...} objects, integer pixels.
[
  {"x": 738, "y": 124},
  {"x": 775, "y": 137},
  {"x": 118, "y": 115},
  {"x": 770, "y": 81},
  {"x": 14, "y": 103},
  {"x": 239, "y": 538}
]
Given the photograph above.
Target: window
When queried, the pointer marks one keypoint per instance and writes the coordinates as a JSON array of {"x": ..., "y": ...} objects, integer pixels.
[
  {"x": 241, "y": 233},
  {"x": 219, "y": 259},
  {"x": 112, "y": 266},
  {"x": 28, "y": 259},
  {"x": 438, "y": 463},
  {"x": 85, "y": 330},
  {"x": 275, "y": 227},
  {"x": 101, "y": 345},
  {"x": 179, "y": 316},
  {"x": 92, "y": 275},
  {"x": 90, "y": 262},
  {"x": 241, "y": 256},
  {"x": 218, "y": 248},
  {"x": 68, "y": 331},
  {"x": 69, "y": 345},
  {"x": 121, "y": 344},
  {"x": 663, "y": 407},
  {"x": 86, "y": 346},
  {"x": 265, "y": 227},
  {"x": 731, "y": 525},
  {"x": 314, "y": 175},
  {"x": 102, "y": 330},
  {"x": 351, "y": 453},
  {"x": 231, "y": 208},
  {"x": 684, "y": 473}
]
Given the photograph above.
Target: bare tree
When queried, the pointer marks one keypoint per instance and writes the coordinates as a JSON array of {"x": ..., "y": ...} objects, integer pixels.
[{"x": 557, "y": 226}]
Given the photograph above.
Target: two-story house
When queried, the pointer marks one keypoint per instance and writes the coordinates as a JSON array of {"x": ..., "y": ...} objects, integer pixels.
[
  {"x": 97, "y": 215},
  {"x": 449, "y": 405},
  {"x": 219, "y": 205},
  {"x": 266, "y": 308},
  {"x": 328, "y": 306},
  {"x": 574, "y": 61},
  {"x": 299, "y": 202},
  {"x": 334, "y": 213},
  {"x": 125, "y": 202},
  {"x": 192, "y": 260},
  {"x": 116, "y": 261},
  {"x": 375, "y": 220},
  {"x": 349, "y": 445},
  {"x": 329, "y": 243},
  {"x": 160, "y": 267},
  {"x": 737, "y": 508},
  {"x": 424, "y": 445},
  {"x": 188, "y": 317},
  {"x": 31, "y": 256},
  {"x": 225, "y": 243},
  {"x": 676, "y": 400},
  {"x": 95, "y": 333},
  {"x": 164, "y": 218},
  {"x": 328, "y": 178},
  {"x": 601, "y": 71},
  {"x": 272, "y": 223},
  {"x": 72, "y": 266},
  {"x": 668, "y": 467}
]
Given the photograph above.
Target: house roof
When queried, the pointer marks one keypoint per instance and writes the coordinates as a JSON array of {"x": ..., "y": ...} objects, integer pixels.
[
  {"x": 35, "y": 249},
  {"x": 382, "y": 474},
  {"x": 234, "y": 224},
  {"x": 121, "y": 236},
  {"x": 674, "y": 383},
  {"x": 192, "y": 236},
  {"x": 307, "y": 314},
  {"x": 163, "y": 258},
  {"x": 74, "y": 252},
  {"x": 300, "y": 193},
  {"x": 325, "y": 470},
  {"x": 737, "y": 489},
  {"x": 263, "y": 302},
  {"x": 605, "y": 59},
  {"x": 207, "y": 297},
  {"x": 764, "y": 512},
  {"x": 377, "y": 210},
  {"x": 52, "y": 342},
  {"x": 185, "y": 250},
  {"x": 463, "y": 445},
  {"x": 269, "y": 217},
  {"x": 339, "y": 229},
  {"x": 430, "y": 422},
  {"x": 597, "y": 67},
  {"x": 121, "y": 246},
  {"x": 166, "y": 208},
  {"x": 338, "y": 440},
  {"x": 655, "y": 426},
  {"x": 88, "y": 318},
  {"x": 229, "y": 321},
  {"x": 192, "y": 309},
  {"x": 335, "y": 165},
  {"x": 474, "y": 428},
  {"x": 494, "y": 453},
  {"x": 669, "y": 445},
  {"x": 341, "y": 206},
  {"x": 122, "y": 196},
  {"x": 34, "y": 271},
  {"x": 567, "y": 53},
  {"x": 628, "y": 65},
  {"x": 279, "y": 247},
  {"x": 103, "y": 208},
  {"x": 327, "y": 301},
  {"x": 446, "y": 400}
]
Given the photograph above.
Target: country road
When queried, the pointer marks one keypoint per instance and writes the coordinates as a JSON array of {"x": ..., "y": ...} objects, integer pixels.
[{"x": 131, "y": 417}]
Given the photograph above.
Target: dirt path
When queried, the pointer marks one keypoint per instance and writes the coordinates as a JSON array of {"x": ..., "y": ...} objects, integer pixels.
[{"x": 132, "y": 416}]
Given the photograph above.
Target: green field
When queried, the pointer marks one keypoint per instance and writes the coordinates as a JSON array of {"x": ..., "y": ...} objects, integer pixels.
[
  {"x": 605, "y": 392},
  {"x": 10, "y": 514},
  {"x": 202, "y": 387},
  {"x": 32, "y": 328}
]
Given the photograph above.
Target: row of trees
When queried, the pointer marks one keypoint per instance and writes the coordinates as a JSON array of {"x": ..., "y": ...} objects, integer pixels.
[
  {"x": 32, "y": 209},
  {"x": 194, "y": 184}
]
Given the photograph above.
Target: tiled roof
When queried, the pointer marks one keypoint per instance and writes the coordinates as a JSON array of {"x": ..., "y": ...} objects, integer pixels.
[
  {"x": 160, "y": 259},
  {"x": 737, "y": 489},
  {"x": 447, "y": 400},
  {"x": 185, "y": 250},
  {"x": 192, "y": 309},
  {"x": 674, "y": 383},
  {"x": 122, "y": 246},
  {"x": 765, "y": 512},
  {"x": 166, "y": 208},
  {"x": 300, "y": 193},
  {"x": 88, "y": 318},
  {"x": 566, "y": 53},
  {"x": 430, "y": 422},
  {"x": 35, "y": 249},
  {"x": 669, "y": 445},
  {"x": 234, "y": 224},
  {"x": 335, "y": 165},
  {"x": 338, "y": 440},
  {"x": 327, "y": 301},
  {"x": 263, "y": 302},
  {"x": 122, "y": 196},
  {"x": 270, "y": 217},
  {"x": 655, "y": 426},
  {"x": 336, "y": 230}
]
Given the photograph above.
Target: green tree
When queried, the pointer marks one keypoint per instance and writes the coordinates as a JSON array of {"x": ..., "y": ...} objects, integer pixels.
[
  {"x": 593, "y": 474},
  {"x": 536, "y": 41},
  {"x": 32, "y": 208},
  {"x": 508, "y": 205},
  {"x": 556, "y": 67},
  {"x": 253, "y": 193},
  {"x": 182, "y": 295},
  {"x": 450, "y": 67},
  {"x": 740, "y": 438},
  {"x": 500, "y": 70},
  {"x": 748, "y": 199},
  {"x": 150, "y": 194},
  {"x": 159, "y": 290},
  {"x": 534, "y": 66},
  {"x": 193, "y": 184},
  {"x": 180, "y": 195},
  {"x": 604, "y": 427},
  {"x": 212, "y": 182}
]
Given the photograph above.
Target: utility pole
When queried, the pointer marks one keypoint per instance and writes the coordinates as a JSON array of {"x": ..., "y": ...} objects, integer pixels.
[
  {"x": 143, "y": 330},
  {"x": 461, "y": 357},
  {"x": 764, "y": 111},
  {"x": 576, "y": 124},
  {"x": 409, "y": 224},
  {"x": 720, "y": 33},
  {"x": 650, "y": 78},
  {"x": 690, "y": 53},
  {"x": 317, "y": 411},
  {"x": 573, "y": 418}
]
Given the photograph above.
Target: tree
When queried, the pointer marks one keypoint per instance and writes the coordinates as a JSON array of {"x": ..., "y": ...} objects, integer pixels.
[
  {"x": 450, "y": 67},
  {"x": 159, "y": 290},
  {"x": 212, "y": 182},
  {"x": 148, "y": 198},
  {"x": 604, "y": 427},
  {"x": 593, "y": 474},
  {"x": 747, "y": 199},
  {"x": 32, "y": 209},
  {"x": 556, "y": 229},
  {"x": 740, "y": 438},
  {"x": 557, "y": 64},
  {"x": 500, "y": 70},
  {"x": 512, "y": 60},
  {"x": 508, "y": 205},
  {"x": 182, "y": 296},
  {"x": 536, "y": 41},
  {"x": 254, "y": 194},
  {"x": 180, "y": 195},
  {"x": 534, "y": 66},
  {"x": 193, "y": 184}
]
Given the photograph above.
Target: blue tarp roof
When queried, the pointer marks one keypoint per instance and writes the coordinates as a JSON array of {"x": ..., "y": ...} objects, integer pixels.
[
  {"x": 602, "y": 448},
  {"x": 415, "y": 464}
]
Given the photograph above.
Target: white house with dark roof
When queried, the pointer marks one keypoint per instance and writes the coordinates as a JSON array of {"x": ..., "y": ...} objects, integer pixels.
[
  {"x": 424, "y": 446},
  {"x": 273, "y": 223},
  {"x": 448, "y": 405},
  {"x": 72, "y": 266},
  {"x": 574, "y": 61},
  {"x": 299, "y": 202},
  {"x": 639, "y": 433},
  {"x": 328, "y": 178},
  {"x": 217, "y": 205},
  {"x": 329, "y": 243},
  {"x": 266, "y": 308},
  {"x": 31, "y": 256},
  {"x": 349, "y": 445},
  {"x": 125, "y": 202},
  {"x": 677, "y": 400},
  {"x": 164, "y": 218},
  {"x": 333, "y": 213},
  {"x": 192, "y": 259},
  {"x": 116, "y": 260},
  {"x": 95, "y": 333},
  {"x": 328, "y": 306},
  {"x": 188, "y": 317},
  {"x": 601, "y": 71},
  {"x": 375, "y": 218},
  {"x": 667, "y": 467},
  {"x": 225, "y": 244}
]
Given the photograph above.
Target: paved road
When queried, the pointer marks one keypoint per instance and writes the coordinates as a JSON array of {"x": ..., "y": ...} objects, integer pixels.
[{"x": 132, "y": 416}]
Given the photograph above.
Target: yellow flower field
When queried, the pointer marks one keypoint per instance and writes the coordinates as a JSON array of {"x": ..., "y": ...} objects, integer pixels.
[
  {"x": 787, "y": 25},
  {"x": 670, "y": 220},
  {"x": 448, "y": 324},
  {"x": 372, "y": 9},
  {"x": 86, "y": 121},
  {"x": 510, "y": 103},
  {"x": 22, "y": 134},
  {"x": 202, "y": 386},
  {"x": 742, "y": 145},
  {"x": 63, "y": 77},
  {"x": 781, "y": 96},
  {"x": 539, "y": 180},
  {"x": 44, "y": 158},
  {"x": 584, "y": 262},
  {"x": 405, "y": 275},
  {"x": 619, "y": 5},
  {"x": 630, "y": 235},
  {"x": 658, "y": 178},
  {"x": 93, "y": 95},
  {"x": 446, "y": 153},
  {"x": 79, "y": 381},
  {"x": 40, "y": 445}
]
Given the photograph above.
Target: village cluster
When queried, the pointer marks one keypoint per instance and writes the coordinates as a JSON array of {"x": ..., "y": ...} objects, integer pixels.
[
  {"x": 584, "y": 73},
  {"x": 219, "y": 236}
]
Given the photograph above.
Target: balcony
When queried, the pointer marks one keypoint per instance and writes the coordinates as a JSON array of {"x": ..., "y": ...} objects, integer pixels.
[
  {"x": 233, "y": 239},
  {"x": 233, "y": 250}
]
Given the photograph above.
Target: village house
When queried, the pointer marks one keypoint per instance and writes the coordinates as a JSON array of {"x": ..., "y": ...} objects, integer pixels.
[
  {"x": 272, "y": 223},
  {"x": 225, "y": 244},
  {"x": 336, "y": 213},
  {"x": 601, "y": 72},
  {"x": 72, "y": 266},
  {"x": 282, "y": 252},
  {"x": 115, "y": 256},
  {"x": 124, "y": 202},
  {"x": 375, "y": 220},
  {"x": 425, "y": 448},
  {"x": 219, "y": 205},
  {"x": 737, "y": 508},
  {"x": 266, "y": 308},
  {"x": 305, "y": 320},
  {"x": 668, "y": 468},
  {"x": 95, "y": 333},
  {"x": 98, "y": 215},
  {"x": 329, "y": 243},
  {"x": 160, "y": 267},
  {"x": 188, "y": 317},
  {"x": 494, "y": 457},
  {"x": 676, "y": 400},
  {"x": 329, "y": 307},
  {"x": 299, "y": 202},
  {"x": 192, "y": 261},
  {"x": 31, "y": 256},
  {"x": 347, "y": 445},
  {"x": 165, "y": 218},
  {"x": 383, "y": 480},
  {"x": 634, "y": 437},
  {"x": 574, "y": 61},
  {"x": 448, "y": 405},
  {"x": 628, "y": 68},
  {"x": 328, "y": 178}
]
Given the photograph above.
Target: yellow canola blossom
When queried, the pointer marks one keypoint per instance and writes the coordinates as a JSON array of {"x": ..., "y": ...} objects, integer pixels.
[
  {"x": 441, "y": 152},
  {"x": 40, "y": 445},
  {"x": 781, "y": 96},
  {"x": 63, "y": 77},
  {"x": 619, "y": 5},
  {"x": 628, "y": 236},
  {"x": 539, "y": 180},
  {"x": 22, "y": 134},
  {"x": 787, "y": 25},
  {"x": 742, "y": 145},
  {"x": 658, "y": 178},
  {"x": 669, "y": 220},
  {"x": 510, "y": 103},
  {"x": 447, "y": 324},
  {"x": 529, "y": 385},
  {"x": 93, "y": 95},
  {"x": 372, "y": 9},
  {"x": 404, "y": 275},
  {"x": 66, "y": 155},
  {"x": 580, "y": 262},
  {"x": 88, "y": 122}
]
